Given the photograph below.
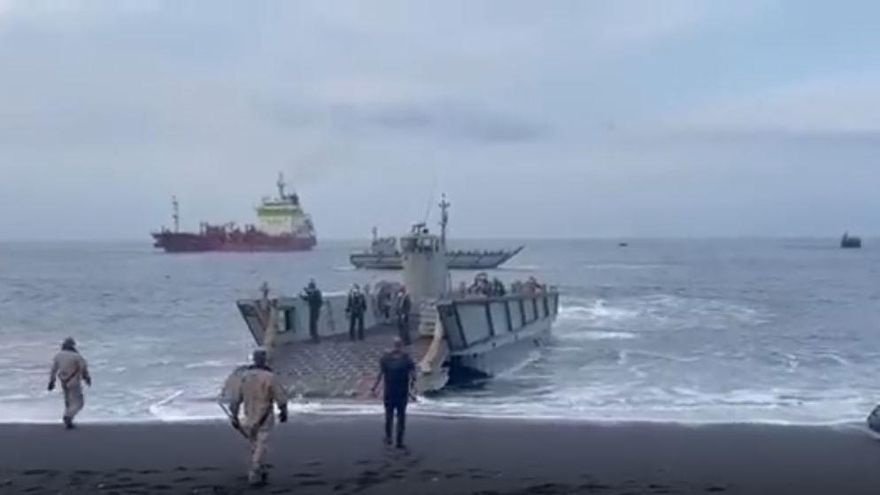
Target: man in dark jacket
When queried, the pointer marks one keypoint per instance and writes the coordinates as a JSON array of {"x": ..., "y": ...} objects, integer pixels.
[
  {"x": 398, "y": 371},
  {"x": 312, "y": 295},
  {"x": 355, "y": 309},
  {"x": 404, "y": 308}
]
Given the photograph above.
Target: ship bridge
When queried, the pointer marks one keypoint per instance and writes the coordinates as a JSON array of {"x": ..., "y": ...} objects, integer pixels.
[{"x": 284, "y": 215}]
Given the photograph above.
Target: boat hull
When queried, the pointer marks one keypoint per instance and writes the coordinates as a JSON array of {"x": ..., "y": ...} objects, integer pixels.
[
  {"x": 183, "y": 242},
  {"x": 455, "y": 260},
  {"x": 489, "y": 336}
]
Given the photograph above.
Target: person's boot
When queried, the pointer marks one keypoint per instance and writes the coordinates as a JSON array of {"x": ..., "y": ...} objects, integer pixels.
[{"x": 68, "y": 422}]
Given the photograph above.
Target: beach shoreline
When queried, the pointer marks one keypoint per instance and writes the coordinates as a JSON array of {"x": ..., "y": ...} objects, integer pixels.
[{"x": 345, "y": 455}]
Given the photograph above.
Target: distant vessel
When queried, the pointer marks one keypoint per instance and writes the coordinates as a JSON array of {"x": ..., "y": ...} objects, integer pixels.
[
  {"x": 385, "y": 255},
  {"x": 283, "y": 226},
  {"x": 850, "y": 242},
  {"x": 458, "y": 337}
]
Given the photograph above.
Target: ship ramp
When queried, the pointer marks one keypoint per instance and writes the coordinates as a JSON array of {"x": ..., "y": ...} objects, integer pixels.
[{"x": 337, "y": 367}]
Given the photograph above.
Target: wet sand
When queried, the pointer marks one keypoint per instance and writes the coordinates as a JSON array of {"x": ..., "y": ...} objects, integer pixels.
[{"x": 333, "y": 455}]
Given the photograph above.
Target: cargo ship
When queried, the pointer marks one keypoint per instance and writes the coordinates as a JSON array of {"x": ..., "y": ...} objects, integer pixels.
[{"x": 283, "y": 226}]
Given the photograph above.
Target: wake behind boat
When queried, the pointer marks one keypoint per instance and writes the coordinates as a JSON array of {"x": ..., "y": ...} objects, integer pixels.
[{"x": 385, "y": 255}]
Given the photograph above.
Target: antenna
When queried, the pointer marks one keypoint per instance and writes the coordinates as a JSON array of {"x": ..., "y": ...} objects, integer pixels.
[
  {"x": 281, "y": 185},
  {"x": 444, "y": 218},
  {"x": 175, "y": 213}
]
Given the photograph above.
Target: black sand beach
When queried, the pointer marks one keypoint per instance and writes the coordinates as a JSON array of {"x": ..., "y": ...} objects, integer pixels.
[{"x": 335, "y": 455}]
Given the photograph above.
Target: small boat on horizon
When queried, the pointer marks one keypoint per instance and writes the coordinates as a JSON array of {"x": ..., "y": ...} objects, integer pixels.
[
  {"x": 384, "y": 253},
  {"x": 850, "y": 241}
]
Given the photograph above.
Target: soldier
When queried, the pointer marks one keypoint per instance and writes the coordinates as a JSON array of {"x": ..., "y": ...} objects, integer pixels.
[
  {"x": 398, "y": 371},
  {"x": 260, "y": 391},
  {"x": 404, "y": 307},
  {"x": 383, "y": 301},
  {"x": 72, "y": 370},
  {"x": 355, "y": 309},
  {"x": 312, "y": 295}
]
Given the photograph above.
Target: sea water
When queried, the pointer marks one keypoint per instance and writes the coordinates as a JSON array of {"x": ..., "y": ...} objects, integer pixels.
[{"x": 783, "y": 331}]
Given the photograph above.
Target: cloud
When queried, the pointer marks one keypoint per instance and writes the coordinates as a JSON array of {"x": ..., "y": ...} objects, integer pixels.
[
  {"x": 845, "y": 105},
  {"x": 649, "y": 116},
  {"x": 438, "y": 120}
]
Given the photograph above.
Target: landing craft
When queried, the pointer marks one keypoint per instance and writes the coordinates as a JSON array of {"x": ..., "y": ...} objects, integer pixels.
[{"x": 459, "y": 337}]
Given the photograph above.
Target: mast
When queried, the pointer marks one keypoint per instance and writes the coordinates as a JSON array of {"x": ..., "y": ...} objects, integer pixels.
[
  {"x": 175, "y": 213},
  {"x": 281, "y": 185},
  {"x": 444, "y": 219},
  {"x": 375, "y": 234}
]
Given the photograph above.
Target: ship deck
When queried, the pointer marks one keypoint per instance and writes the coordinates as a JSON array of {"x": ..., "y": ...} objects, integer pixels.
[{"x": 337, "y": 367}]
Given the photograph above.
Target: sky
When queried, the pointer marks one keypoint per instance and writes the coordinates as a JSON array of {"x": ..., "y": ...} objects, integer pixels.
[{"x": 622, "y": 118}]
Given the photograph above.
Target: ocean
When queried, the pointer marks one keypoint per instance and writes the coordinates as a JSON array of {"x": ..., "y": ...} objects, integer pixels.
[{"x": 693, "y": 331}]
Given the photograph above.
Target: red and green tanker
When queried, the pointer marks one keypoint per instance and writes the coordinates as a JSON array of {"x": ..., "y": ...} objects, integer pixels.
[{"x": 283, "y": 226}]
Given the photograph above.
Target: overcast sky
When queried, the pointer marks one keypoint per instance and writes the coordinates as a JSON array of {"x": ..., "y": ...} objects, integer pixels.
[{"x": 539, "y": 119}]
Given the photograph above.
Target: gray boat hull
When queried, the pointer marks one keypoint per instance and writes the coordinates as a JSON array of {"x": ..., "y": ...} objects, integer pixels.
[
  {"x": 456, "y": 260},
  {"x": 489, "y": 336}
]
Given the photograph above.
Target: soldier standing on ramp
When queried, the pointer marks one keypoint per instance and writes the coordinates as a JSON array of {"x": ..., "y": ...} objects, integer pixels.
[
  {"x": 355, "y": 308},
  {"x": 260, "y": 391},
  {"x": 72, "y": 370},
  {"x": 404, "y": 308},
  {"x": 312, "y": 296}
]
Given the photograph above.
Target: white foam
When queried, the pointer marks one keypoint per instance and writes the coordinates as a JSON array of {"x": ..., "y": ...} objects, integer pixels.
[
  {"x": 597, "y": 312},
  {"x": 598, "y": 335},
  {"x": 211, "y": 363},
  {"x": 157, "y": 409}
]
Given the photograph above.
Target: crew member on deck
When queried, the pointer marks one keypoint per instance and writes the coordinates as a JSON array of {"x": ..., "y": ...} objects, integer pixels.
[
  {"x": 383, "y": 301},
  {"x": 404, "y": 307},
  {"x": 355, "y": 309},
  {"x": 312, "y": 295},
  {"x": 260, "y": 391},
  {"x": 398, "y": 371},
  {"x": 71, "y": 368}
]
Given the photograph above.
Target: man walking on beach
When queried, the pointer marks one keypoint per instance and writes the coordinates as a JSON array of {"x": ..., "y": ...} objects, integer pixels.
[
  {"x": 260, "y": 391},
  {"x": 72, "y": 369},
  {"x": 398, "y": 371},
  {"x": 312, "y": 296}
]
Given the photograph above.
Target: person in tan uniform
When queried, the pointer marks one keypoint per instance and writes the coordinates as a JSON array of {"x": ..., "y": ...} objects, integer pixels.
[
  {"x": 260, "y": 391},
  {"x": 71, "y": 368}
]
